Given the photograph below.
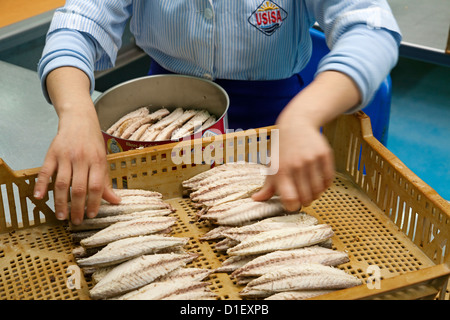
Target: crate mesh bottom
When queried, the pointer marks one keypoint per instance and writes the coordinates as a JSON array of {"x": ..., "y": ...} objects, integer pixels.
[{"x": 35, "y": 262}]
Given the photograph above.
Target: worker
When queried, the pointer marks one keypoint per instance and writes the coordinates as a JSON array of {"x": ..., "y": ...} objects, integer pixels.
[{"x": 255, "y": 49}]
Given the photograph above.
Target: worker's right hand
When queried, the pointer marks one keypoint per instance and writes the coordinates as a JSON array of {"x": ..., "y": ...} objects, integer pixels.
[{"x": 77, "y": 154}]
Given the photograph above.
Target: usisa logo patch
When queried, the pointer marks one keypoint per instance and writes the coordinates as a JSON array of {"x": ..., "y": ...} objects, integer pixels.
[{"x": 268, "y": 17}]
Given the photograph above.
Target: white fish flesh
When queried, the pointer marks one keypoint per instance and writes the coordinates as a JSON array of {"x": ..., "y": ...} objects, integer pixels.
[
  {"x": 210, "y": 198},
  {"x": 242, "y": 166},
  {"x": 141, "y": 112},
  {"x": 137, "y": 199},
  {"x": 126, "y": 249},
  {"x": 283, "y": 239},
  {"x": 181, "y": 274},
  {"x": 124, "y": 125},
  {"x": 125, "y": 229},
  {"x": 193, "y": 124},
  {"x": 100, "y": 273},
  {"x": 156, "y": 128},
  {"x": 298, "y": 295},
  {"x": 199, "y": 294},
  {"x": 209, "y": 122},
  {"x": 225, "y": 244},
  {"x": 223, "y": 207},
  {"x": 279, "y": 259},
  {"x": 300, "y": 277},
  {"x": 166, "y": 133},
  {"x": 234, "y": 262},
  {"x": 227, "y": 177},
  {"x": 103, "y": 222},
  {"x": 139, "y": 132},
  {"x": 246, "y": 212},
  {"x": 273, "y": 223},
  {"x": 215, "y": 233},
  {"x": 115, "y": 209},
  {"x": 137, "y": 192},
  {"x": 186, "y": 274},
  {"x": 137, "y": 273},
  {"x": 246, "y": 193},
  {"x": 152, "y": 117},
  {"x": 164, "y": 290},
  {"x": 229, "y": 182}
]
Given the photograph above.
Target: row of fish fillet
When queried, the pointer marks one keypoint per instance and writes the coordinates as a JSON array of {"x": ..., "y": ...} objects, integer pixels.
[
  {"x": 276, "y": 254},
  {"x": 162, "y": 124},
  {"x": 129, "y": 252}
]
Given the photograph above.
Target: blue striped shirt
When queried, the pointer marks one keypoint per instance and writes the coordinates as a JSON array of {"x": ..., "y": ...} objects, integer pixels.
[{"x": 232, "y": 39}]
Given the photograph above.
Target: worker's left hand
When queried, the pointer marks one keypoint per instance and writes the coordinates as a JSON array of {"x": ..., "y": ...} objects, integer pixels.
[{"x": 305, "y": 166}]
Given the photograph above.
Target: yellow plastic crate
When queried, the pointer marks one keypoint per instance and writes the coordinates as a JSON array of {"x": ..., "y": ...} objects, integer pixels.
[{"x": 394, "y": 227}]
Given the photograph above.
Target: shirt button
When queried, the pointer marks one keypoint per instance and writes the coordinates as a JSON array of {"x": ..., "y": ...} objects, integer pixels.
[
  {"x": 208, "y": 13},
  {"x": 207, "y": 76}
]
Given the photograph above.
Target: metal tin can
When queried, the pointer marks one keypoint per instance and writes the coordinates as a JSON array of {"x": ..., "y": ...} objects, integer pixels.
[{"x": 157, "y": 91}]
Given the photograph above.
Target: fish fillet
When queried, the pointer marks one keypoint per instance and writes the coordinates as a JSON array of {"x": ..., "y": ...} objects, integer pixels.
[
  {"x": 234, "y": 262},
  {"x": 227, "y": 177},
  {"x": 152, "y": 117},
  {"x": 193, "y": 124},
  {"x": 209, "y": 122},
  {"x": 279, "y": 222},
  {"x": 300, "y": 277},
  {"x": 139, "y": 132},
  {"x": 100, "y": 273},
  {"x": 225, "y": 244},
  {"x": 163, "y": 290},
  {"x": 150, "y": 134},
  {"x": 125, "y": 229},
  {"x": 115, "y": 209},
  {"x": 297, "y": 295},
  {"x": 225, "y": 206},
  {"x": 103, "y": 222},
  {"x": 243, "y": 166},
  {"x": 209, "y": 198},
  {"x": 166, "y": 133},
  {"x": 279, "y": 259},
  {"x": 215, "y": 233},
  {"x": 283, "y": 239},
  {"x": 157, "y": 127},
  {"x": 186, "y": 274},
  {"x": 247, "y": 212},
  {"x": 143, "y": 111},
  {"x": 137, "y": 192},
  {"x": 137, "y": 273},
  {"x": 125, "y": 249},
  {"x": 124, "y": 125},
  {"x": 204, "y": 294}
]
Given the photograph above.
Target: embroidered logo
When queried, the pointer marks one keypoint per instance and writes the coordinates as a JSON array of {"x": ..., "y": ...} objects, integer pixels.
[{"x": 268, "y": 17}]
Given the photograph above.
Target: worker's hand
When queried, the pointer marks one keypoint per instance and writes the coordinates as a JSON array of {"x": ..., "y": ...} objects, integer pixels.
[
  {"x": 305, "y": 159},
  {"x": 77, "y": 154},
  {"x": 305, "y": 166}
]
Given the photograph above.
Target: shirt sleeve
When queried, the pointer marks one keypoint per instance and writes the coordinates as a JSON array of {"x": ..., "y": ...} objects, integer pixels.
[
  {"x": 86, "y": 35},
  {"x": 363, "y": 38},
  {"x": 67, "y": 48}
]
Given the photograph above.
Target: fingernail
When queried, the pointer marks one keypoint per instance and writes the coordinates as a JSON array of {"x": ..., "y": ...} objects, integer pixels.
[
  {"x": 91, "y": 215},
  {"x": 76, "y": 221},
  {"x": 60, "y": 216},
  {"x": 293, "y": 206},
  {"x": 37, "y": 194}
]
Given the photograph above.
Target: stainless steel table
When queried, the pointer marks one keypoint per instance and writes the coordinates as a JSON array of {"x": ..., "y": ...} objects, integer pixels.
[{"x": 28, "y": 123}]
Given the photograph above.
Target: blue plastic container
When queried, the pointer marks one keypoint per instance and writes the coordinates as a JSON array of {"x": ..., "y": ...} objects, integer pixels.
[{"x": 379, "y": 109}]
